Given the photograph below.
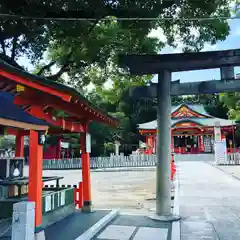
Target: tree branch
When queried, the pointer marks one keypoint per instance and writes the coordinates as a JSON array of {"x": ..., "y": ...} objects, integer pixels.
[
  {"x": 46, "y": 67},
  {"x": 2, "y": 43},
  {"x": 65, "y": 66},
  {"x": 3, "y": 46},
  {"x": 14, "y": 46},
  {"x": 63, "y": 69},
  {"x": 93, "y": 26}
]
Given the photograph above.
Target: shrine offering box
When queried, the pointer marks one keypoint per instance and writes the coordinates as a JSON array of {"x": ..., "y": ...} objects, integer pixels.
[{"x": 11, "y": 168}]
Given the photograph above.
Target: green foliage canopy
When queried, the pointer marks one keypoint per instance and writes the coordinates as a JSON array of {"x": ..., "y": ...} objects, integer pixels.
[{"x": 76, "y": 47}]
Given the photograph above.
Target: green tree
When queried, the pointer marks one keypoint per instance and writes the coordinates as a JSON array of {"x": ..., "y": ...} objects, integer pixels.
[
  {"x": 76, "y": 47},
  {"x": 214, "y": 106},
  {"x": 7, "y": 142},
  {"x": 232, "y": 102}
]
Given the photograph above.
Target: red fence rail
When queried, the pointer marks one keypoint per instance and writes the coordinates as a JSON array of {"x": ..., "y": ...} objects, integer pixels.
[
  {"x": 78, "y": 192},
  {"x": 78, "y": 195}
]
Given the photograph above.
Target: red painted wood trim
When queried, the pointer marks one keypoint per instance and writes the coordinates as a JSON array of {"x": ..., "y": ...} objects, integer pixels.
[
  {"x": 190, "y": 111},
  {"x": 37, "y": 111},
  {"x": 14, "y": 132},
  {"x": 26, "y": 82},
  {"x": 78, "y": 195},
  {"x": 77, "y": 110},
  {"x": 35, "y": 176},
  {"x": 19, "y": 145},
  {"x": 86, "y": 179},
  {"x": 58, "y": 122}
]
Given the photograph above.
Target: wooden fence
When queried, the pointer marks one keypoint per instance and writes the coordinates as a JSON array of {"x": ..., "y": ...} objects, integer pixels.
[
  {"x": 129, "y": 161},
  {"x": 234, "y": 158},
  {"x": 102, "y": 162},
  {"x": 57, "y": 199}
]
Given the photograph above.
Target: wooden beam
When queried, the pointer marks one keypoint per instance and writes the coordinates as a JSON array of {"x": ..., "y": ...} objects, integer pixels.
[
  {"x": 15, "y": 131},
  {"x": 19, "y": 143},
  {"x": 58, "y": 122},
  {"x": 46, "y": 101},
  {"x": 57, "y": 131},
  {"x": 78, "y": 110},
  {"x": 37, "y": 86},
  {"x": 153, "y": 64},
  {"x": 204, "y": 87},
  {"x": 74, "y": 119},
  {"x": 22, "y": 125}
]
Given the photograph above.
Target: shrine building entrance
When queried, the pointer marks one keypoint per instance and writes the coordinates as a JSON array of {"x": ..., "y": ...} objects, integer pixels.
[{"x": 192, "y": 130}]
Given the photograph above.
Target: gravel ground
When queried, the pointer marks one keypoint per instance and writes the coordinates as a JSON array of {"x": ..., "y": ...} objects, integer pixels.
[{"x": 132, "y": 190}]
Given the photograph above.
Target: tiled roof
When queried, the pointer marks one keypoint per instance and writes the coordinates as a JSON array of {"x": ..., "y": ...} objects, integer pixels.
[
  {"x": 199, "y": 108},
  {"x": 208, "y": 121},
  {"x": 11, "y": 111}
]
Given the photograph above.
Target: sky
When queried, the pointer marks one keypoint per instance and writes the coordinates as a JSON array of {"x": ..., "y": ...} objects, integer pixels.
[{"x": 232, "y": 41}]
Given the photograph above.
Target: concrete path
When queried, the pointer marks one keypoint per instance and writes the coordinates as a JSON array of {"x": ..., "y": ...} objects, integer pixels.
[
  {"x": 233, "y": 170},
  {"x": 135, "y": 227},
  {"x": 209, "y": 202}
]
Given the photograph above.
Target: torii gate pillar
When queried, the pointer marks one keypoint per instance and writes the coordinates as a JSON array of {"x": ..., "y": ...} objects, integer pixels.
[{"x": 163, "y": 171}]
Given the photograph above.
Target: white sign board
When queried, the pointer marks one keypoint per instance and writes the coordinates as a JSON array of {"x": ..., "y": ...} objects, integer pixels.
[
  {"x": 217, "y": 133},
  {"x": 64, "y": 145},
  {"x": 62, "y": 201},
  {"x": 88, "y": 143},
  {"x": 48, "y": 203},
  {"x": 220, "y": 152}
]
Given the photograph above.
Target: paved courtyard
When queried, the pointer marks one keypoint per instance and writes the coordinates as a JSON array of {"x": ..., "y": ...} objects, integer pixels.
[
  {"x": 130, "y": 227},
  {"x": 209, "y": 202},
  {"x": 232, "y": 170}
]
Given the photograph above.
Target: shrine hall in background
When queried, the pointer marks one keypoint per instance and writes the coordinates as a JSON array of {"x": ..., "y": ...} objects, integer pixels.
[{"x": 192, "y": 130}]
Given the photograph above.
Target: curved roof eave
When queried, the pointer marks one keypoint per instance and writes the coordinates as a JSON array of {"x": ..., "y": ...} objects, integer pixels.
[
  {"x": 197, "y": 108},
  {"x": 207, "y": 122},
  {"x": 52, "y": 84}
]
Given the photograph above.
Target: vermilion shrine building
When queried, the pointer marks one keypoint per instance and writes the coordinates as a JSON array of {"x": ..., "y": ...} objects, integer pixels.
[
  {"x": 40, "y": 98},
  {"x": 192, "y": 130}
]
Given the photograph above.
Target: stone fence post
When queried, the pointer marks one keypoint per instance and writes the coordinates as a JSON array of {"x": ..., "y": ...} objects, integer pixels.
[{"x": 23, "y": 221}]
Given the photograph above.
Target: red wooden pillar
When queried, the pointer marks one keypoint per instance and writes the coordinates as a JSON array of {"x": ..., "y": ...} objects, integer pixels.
[
  {"x": 150, "y": 144},
  {"x": 58, "y": 149},
  {"x": 223, "y": 137},
  {"x": 201, "y": 145},
  {"x": 154, "y": 144},
  {"x": 35, "y": 170},
  {"x": 19, "y": 145},
  {"x": 35, "y": 175},
  {"x": 86, "y": 179},
  {"x": 172, "y": 143},
  {"x": 146, "y": 141}
]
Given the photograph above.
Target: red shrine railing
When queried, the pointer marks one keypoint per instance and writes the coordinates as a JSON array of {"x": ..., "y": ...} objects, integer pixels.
[{"x": 78, "y": 195}]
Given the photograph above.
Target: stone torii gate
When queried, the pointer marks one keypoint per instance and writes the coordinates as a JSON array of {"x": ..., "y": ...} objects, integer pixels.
[{"x": 164, "y": 65}]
